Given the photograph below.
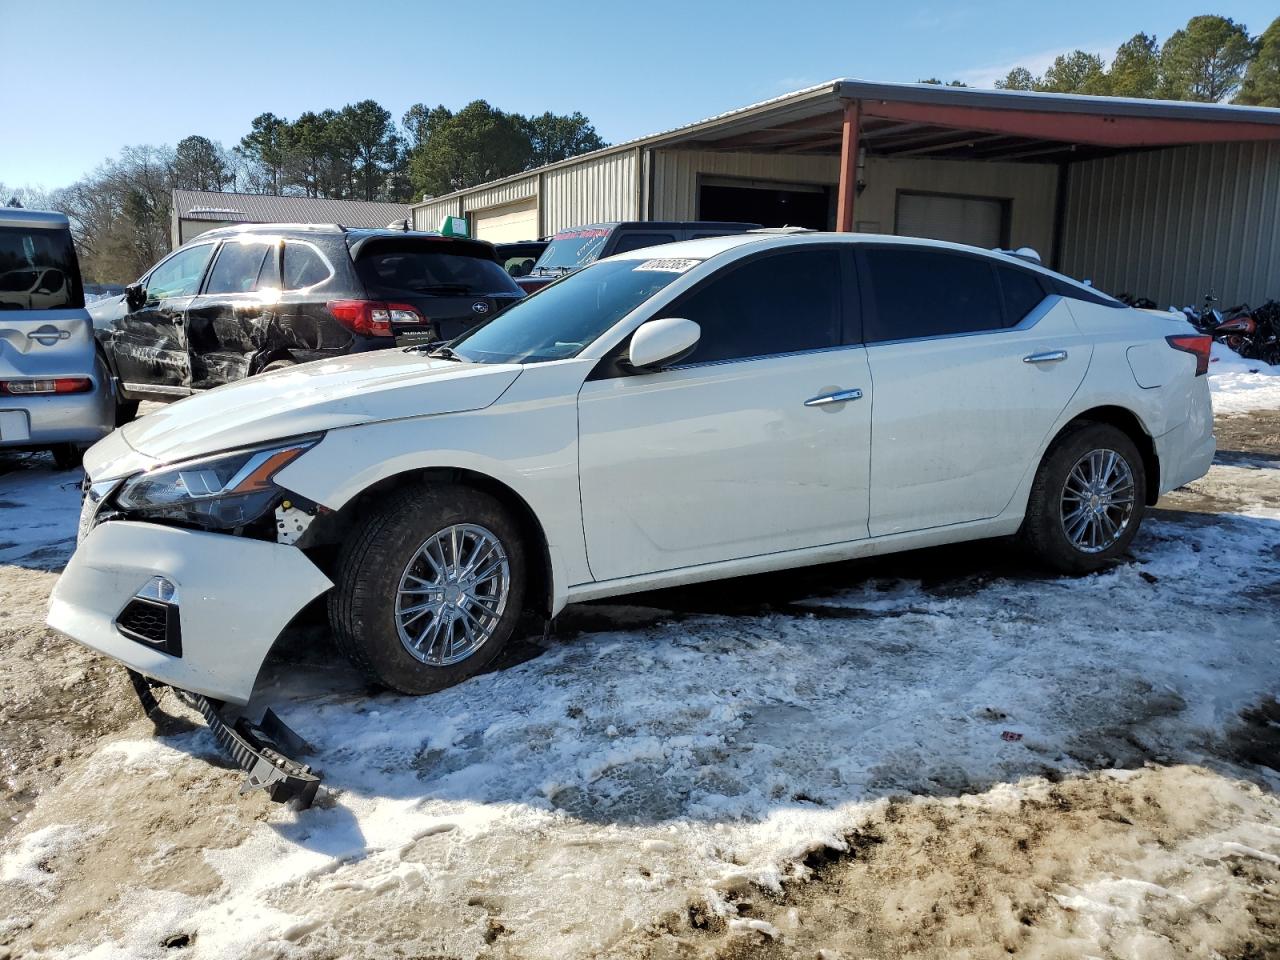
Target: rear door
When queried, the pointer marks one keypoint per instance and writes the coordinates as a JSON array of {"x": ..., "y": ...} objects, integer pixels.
[
  {"x": 452, "y": 284},
  {"x": 149, "y": 342},
  {"x": 973, "y": 361},
  {"x": 228, "y": 323}
]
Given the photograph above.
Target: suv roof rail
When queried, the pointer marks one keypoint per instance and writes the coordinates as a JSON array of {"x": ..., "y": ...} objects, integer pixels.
[{"x": 783, "y": 230}]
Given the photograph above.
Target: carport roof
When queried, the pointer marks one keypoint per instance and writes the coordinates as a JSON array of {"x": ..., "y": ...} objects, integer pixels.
[
  {"x": 918, "y": 119},
  {"x": 922, "y": 119}
]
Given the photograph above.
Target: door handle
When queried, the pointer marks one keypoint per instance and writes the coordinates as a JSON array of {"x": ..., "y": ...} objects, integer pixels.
[
  {"x": 1052, "y": 356},
  {"x": 840, "y": 396}
]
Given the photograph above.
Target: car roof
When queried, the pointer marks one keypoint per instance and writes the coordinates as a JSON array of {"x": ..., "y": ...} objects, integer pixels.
[
  {"x": 708, "y": 247},
  {"x": 42, "y": 219}
]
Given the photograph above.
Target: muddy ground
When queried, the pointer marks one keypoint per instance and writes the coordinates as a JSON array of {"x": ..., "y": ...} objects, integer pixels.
[{"x": 1145, "y": 855}]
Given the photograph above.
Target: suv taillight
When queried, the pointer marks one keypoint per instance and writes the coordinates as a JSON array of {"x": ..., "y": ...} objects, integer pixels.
[
  {"x": 373, "y": 318},
  {"x": 1198, "y": 345},
  {"x": 26, "y": 388}
]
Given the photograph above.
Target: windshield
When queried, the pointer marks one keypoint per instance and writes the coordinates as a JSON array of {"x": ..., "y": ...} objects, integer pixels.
[
  {"x": 572, "y": 249},
  {"x": 404, "y": 269},
  {"x": 560, "y": 320}
]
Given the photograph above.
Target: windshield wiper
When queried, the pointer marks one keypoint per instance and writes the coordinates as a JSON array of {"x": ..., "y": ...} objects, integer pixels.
[{"x": 445, "y": 353}]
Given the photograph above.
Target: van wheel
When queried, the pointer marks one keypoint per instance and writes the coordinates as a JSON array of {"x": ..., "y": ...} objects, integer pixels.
[
  {"x": 67, "y": 456},
  {"x": 1087, "y": 500},
  {"x": 429, "y": 587}
]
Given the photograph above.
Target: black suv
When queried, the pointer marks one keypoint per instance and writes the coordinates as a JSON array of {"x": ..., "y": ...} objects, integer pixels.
[
  {"x": 571, "y": 250},
  {"x": 240, "y": 300}
]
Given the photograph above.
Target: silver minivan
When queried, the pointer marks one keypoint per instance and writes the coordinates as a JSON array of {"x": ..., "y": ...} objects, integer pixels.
[{"x": 55, "y": 392}]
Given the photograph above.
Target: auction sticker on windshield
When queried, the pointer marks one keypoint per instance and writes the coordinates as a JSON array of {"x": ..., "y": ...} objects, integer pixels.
[{"x": 669, "y": 265}]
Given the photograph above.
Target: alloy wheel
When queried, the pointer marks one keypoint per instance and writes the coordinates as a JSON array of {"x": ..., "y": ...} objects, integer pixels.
[
  {"x": 452, "y": 594},
  {"x": 1097, "y": 501}
]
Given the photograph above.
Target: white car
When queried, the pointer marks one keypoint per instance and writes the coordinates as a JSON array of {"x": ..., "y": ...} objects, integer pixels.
[{"x": 701, "y": 410}]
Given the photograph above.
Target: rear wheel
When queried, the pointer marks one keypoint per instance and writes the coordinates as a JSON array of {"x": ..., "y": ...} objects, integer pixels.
[
  {"x": 1087, "y": 501},
  {"x": 429, "y": 588},
  {"x": 278, "y": 365}
]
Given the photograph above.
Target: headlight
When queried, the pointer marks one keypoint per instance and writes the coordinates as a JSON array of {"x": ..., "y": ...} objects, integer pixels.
[{"x": 222, "y": 491}]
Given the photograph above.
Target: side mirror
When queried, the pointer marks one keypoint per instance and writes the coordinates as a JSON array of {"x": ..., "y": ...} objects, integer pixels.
[
  {"x": 658, "y": 343},
  {"x": 135, "y": 296}
]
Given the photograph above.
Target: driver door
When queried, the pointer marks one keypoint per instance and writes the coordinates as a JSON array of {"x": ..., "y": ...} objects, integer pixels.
[
  {"x": 150, "y": 342},
  {"x": 727, "y": 455}
]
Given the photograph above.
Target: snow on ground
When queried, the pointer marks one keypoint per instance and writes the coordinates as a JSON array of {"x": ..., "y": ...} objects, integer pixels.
[
  {"x": 561, "y": 805},
  {"x": 1240, "y": 385},
  {"x": 38, "y": 520}
]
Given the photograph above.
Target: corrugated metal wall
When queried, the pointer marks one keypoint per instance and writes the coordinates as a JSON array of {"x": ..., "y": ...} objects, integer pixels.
[
  {"x": 1172, "y": 224},
  {"x": 429, "y": 215},
  {"x": 508, "y": 192},
  {"x": 590, "y": 192}
]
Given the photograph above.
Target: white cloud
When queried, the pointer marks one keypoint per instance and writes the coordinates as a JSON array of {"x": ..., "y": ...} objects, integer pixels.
[{"x": 1037, "y": 63}]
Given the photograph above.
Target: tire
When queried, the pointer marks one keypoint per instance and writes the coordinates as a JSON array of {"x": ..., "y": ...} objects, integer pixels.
[
  {"x": 124, "y": 411},
  {"x": 278, "y": 365},
  {"x": 67, "y": 456},
  {"x": 384, "y": 554},
  {"x": 1056, "y": 511}
]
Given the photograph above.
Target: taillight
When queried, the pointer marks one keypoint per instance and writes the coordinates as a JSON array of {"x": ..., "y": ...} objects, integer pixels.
[
  {"x": 1198, "y": 345},
  {"x": 25, "y": 388},
  {"x": 373, "y": 318}
]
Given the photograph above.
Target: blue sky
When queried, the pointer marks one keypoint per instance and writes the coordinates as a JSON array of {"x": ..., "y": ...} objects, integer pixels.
[{"x": 79, "y": 80}]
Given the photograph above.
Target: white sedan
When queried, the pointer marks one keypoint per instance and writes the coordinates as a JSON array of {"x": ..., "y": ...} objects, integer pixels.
[{"x": 701, "y": 410}]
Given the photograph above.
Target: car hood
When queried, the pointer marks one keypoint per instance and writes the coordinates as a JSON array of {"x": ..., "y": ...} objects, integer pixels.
[{"x": 360, "y": 388}]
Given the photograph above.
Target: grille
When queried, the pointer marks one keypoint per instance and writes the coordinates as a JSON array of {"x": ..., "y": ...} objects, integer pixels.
[{"x": 152, "y": 623}]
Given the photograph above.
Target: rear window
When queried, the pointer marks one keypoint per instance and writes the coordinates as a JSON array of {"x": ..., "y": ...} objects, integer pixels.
[
  {"x": 38, "y": 270},
  {"x": 572, "y": 249},
  {"x": 929, "y": 293},
  {"x": 407, "y": 269}
]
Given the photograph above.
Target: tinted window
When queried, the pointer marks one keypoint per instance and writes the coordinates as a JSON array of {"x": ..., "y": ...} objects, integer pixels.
[
  {"x": 1022, "y": 293},
  {"x": 433, "y": 268},
  {"x": 563, "y": 318},
  {"x": 634, "y": 241},
  {"x": 237, "y": 267},
  {"x": 928, "y": 293},
  {"x": 776, "y": 304},
  {"x": 179, "y": 276},
  {"x": 303, "y": 266},
  {"x": 38, "y": 269}
]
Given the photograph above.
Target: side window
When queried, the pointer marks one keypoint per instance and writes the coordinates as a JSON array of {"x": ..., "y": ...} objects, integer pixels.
[
  {"x": 634, "y": 241},
  {"x": 179, "y": 276},
  {"x": 928, "y": 293},
  {"x": 237, "y": 267},
  {"x": 777, "y": 304},
  {"x": 303, "y": 266},
  {"x": 1022, "y": 293}
]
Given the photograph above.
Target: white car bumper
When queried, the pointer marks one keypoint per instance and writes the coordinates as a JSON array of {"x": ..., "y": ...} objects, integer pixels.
[{"x": 233, "y": 597}]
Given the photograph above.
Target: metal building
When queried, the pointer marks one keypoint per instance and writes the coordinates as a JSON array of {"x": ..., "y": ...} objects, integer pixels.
[
  {"x": 1160, "y": 199},
  {"x": 195, "y": 211}
]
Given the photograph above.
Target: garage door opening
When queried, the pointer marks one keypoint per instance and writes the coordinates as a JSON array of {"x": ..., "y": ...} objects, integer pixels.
[
  {"x": 509, "y": 223},
  {"x": 769, "y": 204},
  {"x": 980, "y": 221}
]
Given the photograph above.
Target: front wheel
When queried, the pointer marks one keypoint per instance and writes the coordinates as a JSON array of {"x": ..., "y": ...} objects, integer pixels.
[
  {"x": 429, "y": 587},
  {"x": 1087, "y": 500}
]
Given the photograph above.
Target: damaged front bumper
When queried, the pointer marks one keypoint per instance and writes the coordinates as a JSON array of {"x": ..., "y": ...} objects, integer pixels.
[{"x": 228, "y": 597}]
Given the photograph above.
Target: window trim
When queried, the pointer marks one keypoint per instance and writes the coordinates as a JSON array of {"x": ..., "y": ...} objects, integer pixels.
[{"x": 608, "y": 367}]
